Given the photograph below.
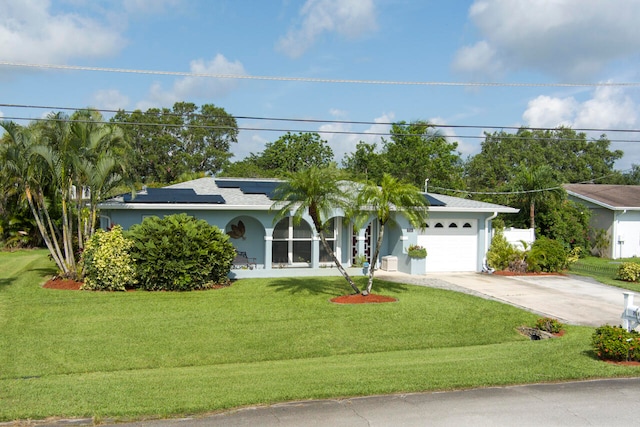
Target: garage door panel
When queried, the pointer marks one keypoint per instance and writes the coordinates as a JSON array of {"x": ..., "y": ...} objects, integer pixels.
[{"x": 451, "y": 248}]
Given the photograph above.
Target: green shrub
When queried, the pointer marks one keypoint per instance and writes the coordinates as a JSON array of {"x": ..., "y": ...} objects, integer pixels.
[
  {"x": 415, "y": 251},
  {"x": 629, "y": 272},
  {"x": 108, "y": 266},
  {"x": 547, "y": 324},
  {"x": 501, "y": 252},
  {"x": 547, "y": 255},
  {"x": 616, "y": 343},
  {"x": 180, "y": 253}
]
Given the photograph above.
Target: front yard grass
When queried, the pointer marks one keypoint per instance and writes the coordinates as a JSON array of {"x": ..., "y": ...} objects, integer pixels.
[
  {"x": 143, "y": 354},
  {"x": 604, "y": 270}
]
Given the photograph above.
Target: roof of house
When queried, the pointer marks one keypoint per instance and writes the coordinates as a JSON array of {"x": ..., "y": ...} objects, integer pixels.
[
  {"x": 255, "y": 194},
  {"x": 614, "y": 197}
]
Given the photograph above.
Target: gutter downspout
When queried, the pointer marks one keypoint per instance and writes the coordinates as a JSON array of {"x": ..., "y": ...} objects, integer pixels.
[
  {"x": 617, "y": 248},
  {"x": 487, "y": 240}
]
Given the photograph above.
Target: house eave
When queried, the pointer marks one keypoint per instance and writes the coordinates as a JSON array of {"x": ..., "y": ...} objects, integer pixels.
[{"x": 602, "y": 204}]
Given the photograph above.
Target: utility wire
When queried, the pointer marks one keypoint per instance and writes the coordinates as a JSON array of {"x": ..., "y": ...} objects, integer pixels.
[
  {"x": 295, "y": 120},
  {"x": 309, "y": 79},
  {"x": 281, "y": 130}
]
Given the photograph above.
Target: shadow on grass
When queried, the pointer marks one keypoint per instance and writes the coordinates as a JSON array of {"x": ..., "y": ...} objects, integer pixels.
[
  {"x": 332, "y": 286},
  {"x": 4, "y": 283}
]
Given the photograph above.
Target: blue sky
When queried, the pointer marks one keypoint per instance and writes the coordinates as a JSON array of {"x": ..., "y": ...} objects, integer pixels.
[{"x": 504, "y": 41}]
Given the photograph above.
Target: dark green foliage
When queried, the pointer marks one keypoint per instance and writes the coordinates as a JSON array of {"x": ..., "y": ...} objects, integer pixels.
[
  {"x": 616, "y": 343},
  {"x": 548, "y": 324},
  {"x": 547, "y": 255},
  {"x": 169, "y": 142},
  {"x": 566, "y": 222},
  {"x": 180, "y": 253},
  {"x": 417, "y": 151}
]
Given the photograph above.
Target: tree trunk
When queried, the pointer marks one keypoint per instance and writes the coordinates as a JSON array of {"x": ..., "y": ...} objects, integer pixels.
[
  {"x": 338, "y": 263},
  {"x": 57, "y": 258},
  {"x": 374, "y": 259},
  {"x": 532, "y": 215}
]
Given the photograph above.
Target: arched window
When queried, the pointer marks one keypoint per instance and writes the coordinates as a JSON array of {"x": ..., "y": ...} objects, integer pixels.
[
  {"x": 453, "y": 225},
  {"x": 467, "y": 225},
  {"x": 439, "y": 225}
]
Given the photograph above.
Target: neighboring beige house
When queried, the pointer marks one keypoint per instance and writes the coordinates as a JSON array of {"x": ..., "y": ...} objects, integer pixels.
[{"x": 616, "y": 209}]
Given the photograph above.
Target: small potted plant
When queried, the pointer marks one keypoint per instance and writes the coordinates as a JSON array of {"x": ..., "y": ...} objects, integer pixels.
[
  {"x": 417, "y": 259},
  {"x": 417, "y": 251}
]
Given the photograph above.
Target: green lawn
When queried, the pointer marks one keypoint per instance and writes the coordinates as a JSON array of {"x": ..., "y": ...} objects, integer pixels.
[
  {"x": 140, "y": 354},
  {"x": 604, "y": 270}
]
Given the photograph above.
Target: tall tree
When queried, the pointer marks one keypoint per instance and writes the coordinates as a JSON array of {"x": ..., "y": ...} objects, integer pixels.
[
  {"x": 392, "y": 197},
  {"x": 572, "y": 157},
  {"x": 533, "y": 186},
  {"x": 169, "y": 142},
  {"x": 289, "y": 153},
  {"x": 366, "y": 162},
  {"x": 319, "y": 192},
  {"x": 417, "y": 151}
]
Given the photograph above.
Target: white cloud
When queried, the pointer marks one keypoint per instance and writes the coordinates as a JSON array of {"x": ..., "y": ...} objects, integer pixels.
[
  {"x": 345, "y": 143},
  {"x": 550, "y": 112},
  {"x": 30, "y": 33},
  {"x": 349, "y": 18},
  {"x": 608, "y": 108},
  {"x": 196, "y": 87},
  {"x": 568, "y": 38},
  {"x": 110, "y": 99},
  {"x": 149, "y": 6}
]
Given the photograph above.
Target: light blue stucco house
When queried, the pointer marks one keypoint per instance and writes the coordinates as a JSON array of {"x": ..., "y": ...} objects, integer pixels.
[{"x": 456, "y": 235}]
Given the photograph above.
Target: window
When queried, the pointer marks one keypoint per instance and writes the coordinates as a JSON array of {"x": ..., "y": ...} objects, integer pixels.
[
  {"x": 453, "y": 225},
  {"x": 291, "y": 243},
  {"x": 439, "y": 225},
  {"x": 467, "y": 225}
]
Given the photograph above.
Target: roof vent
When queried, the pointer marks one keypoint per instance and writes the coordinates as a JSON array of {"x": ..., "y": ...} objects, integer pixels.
[{"x": 426, "y": 185}]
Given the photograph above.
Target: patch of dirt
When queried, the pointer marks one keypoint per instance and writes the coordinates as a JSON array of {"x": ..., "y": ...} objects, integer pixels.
[
  {"x": 64, "y": 284},
  {"x": 361, "y": 299}
]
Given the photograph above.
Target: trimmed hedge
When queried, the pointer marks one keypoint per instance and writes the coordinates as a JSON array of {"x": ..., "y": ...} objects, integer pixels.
[{"x": 180, "y": 253}]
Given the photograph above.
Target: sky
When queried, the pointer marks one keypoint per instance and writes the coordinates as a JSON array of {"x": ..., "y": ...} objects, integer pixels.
[{"x": 343, "y": 68}]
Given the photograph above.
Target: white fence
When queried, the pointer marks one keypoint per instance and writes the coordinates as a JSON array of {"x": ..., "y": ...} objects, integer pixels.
[{"x": 516, "y": 236}]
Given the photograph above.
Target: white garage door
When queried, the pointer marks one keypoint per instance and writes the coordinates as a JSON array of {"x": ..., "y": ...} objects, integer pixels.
[{"x": 452, "y": 245}]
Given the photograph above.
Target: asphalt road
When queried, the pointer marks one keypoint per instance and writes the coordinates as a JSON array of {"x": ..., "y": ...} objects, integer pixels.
[{"x": 589, "y": 403}]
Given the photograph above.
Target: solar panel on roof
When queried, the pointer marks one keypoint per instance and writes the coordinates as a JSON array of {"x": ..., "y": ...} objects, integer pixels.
[
  {"x": 250, "y": 187},
  {"x": 433, "y": 201},
  {"x": 173, "y": 195}
]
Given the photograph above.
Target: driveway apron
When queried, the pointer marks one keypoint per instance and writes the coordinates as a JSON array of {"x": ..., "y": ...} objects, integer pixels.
[{"x": 571, "y": 299}]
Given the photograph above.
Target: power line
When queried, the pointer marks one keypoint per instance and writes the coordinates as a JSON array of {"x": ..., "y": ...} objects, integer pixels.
[
  {"x": 325, "y": 121},
  {"x": 281, "y": 130},
  {"x": 311, "y": 79}
]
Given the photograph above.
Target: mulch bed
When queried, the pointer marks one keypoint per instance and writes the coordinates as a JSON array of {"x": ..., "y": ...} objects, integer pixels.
[
  {"x": 361, "y": 299},
  {"x": 64, "y": 284}
]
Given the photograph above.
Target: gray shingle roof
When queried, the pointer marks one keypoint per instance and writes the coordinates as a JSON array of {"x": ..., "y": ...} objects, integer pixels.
[
  {"x": 611, "y": 196},
  {"x": 235, "y": 197}
]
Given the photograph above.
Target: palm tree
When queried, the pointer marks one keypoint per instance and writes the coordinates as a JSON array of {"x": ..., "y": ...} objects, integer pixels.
[
  {"x": 317, "y": 191},
  {"x": 390, "y": 197},
  {"x": 27, "y": 172},
  {"x": 48, "y": 159},
  {"x": 536, "y": 184}
]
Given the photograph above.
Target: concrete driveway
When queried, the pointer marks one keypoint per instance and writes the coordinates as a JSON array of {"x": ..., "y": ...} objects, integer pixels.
[{"x": 574, "y": 300}]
